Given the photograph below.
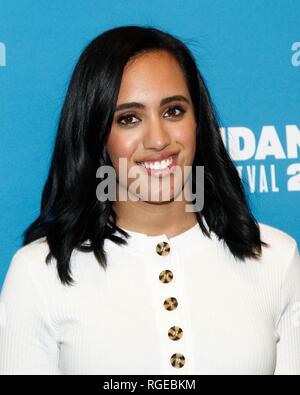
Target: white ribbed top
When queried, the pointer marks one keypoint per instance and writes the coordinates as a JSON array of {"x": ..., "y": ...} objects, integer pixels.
[{"x": 237, "y": 318}]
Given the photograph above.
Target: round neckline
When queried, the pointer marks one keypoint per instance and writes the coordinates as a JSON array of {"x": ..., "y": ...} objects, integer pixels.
[
  {"x": 139, "y": 242},
  {"x": 181, "y": 236},
  {"x": 162, "y": 235}
]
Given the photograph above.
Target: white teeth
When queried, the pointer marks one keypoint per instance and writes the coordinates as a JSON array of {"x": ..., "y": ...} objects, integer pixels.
[{"x": 158, "y": 165}]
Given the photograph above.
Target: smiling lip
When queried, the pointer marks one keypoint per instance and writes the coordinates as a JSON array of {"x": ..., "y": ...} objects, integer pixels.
[
  {"x": 162, "y": 172},
  {"x": 158, "y": 158}
]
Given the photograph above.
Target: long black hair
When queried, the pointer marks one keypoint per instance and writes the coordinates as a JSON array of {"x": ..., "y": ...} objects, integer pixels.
[{"x": 70, "y": 212}]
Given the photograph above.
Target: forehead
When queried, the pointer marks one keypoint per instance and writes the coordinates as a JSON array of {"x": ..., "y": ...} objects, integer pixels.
[{"x": 155, "y": 72}]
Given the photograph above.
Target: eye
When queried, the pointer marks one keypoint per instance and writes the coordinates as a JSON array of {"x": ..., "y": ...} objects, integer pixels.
[
  {"x": 181, "y": 110},
  {"x": 125, "y": 118}
]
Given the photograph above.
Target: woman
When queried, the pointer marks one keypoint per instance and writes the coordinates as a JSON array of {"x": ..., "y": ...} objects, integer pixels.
[{"x": 145, "y": 286}]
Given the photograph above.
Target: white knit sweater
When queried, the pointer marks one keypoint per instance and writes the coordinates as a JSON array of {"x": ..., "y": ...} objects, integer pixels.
[{"x": 235, "y": 318}]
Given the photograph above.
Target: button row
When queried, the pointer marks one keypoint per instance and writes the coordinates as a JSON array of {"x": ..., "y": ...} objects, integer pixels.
[{"x": 175, "y": 333}]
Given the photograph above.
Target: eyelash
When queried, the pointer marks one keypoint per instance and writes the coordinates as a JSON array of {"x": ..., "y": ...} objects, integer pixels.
[{"x": 133, "y": 115}]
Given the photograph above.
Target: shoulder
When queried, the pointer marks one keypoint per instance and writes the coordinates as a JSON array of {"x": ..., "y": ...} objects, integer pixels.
[
  {"x": 34, "y": 251},
  {"x": 282, "y": 249},
  {"x": 33, "y": 254},
  {"x": 29, "y": 263},
  {"x": 280, "y": 241},
  {"x": 30, "y": 260}
]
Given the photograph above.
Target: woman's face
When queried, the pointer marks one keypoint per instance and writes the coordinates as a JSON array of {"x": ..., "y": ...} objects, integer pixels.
[{"x": 143, "y": 132}]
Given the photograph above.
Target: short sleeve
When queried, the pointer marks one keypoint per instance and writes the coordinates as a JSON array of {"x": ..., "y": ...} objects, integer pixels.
[
  {"x": 288, "y": 348},
  {"x": 27, "y": 339}
]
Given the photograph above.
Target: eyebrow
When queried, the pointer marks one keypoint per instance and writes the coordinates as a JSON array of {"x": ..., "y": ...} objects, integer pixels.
[{"x": 164, "y": 101}]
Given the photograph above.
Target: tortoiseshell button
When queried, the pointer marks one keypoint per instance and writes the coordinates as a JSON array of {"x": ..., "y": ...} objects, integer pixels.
[
  {"x": 163, "y": 248},
  {"x": 175, "y": 333},
  {"x": 177, "y": 360},
  {"x": 166, "y": 276},
  {"x": 170, "y": 304}
]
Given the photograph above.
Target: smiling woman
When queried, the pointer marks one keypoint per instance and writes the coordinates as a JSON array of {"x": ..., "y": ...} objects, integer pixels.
[
  {"x": 142, "y": 286},
  {"x": 161, "y": 138}
]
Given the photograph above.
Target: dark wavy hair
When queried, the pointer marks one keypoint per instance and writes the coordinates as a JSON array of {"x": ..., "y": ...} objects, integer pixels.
[{"x": 70, "y": 212}]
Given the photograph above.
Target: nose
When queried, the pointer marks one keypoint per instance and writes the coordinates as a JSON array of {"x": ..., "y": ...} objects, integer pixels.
[{"x": 156, "y": 137}]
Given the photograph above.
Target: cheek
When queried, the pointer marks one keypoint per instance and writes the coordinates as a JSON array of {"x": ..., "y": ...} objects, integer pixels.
[
  {"x": 186, "y": 137},
  {"x": 120, "y": 146}
]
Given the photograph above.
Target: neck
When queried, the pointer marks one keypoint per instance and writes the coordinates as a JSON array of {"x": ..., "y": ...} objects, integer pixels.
[{"x": 154, "y": 219}]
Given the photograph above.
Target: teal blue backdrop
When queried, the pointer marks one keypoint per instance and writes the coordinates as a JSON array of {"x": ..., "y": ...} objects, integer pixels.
[{"x": 247, "y": 50}]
